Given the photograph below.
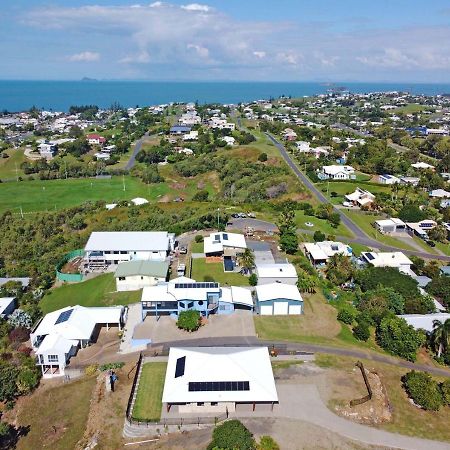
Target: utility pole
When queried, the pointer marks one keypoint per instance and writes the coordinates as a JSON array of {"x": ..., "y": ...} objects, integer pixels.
[
  {"x": 17, "y": 175},
  {"x": 123, "y": 181},
  {"x": 21, "y": 212},
  {"x": 218, "y": 219}
]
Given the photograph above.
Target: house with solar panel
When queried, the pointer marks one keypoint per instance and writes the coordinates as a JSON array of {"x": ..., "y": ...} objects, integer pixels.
[
  {"x": 106, "y": 248},
  {"x": 60, "y": 334},
  {"x": 211, "y": 380},
  {"x": 226, "y": 246},
  {"x": 184, "y": 294}
]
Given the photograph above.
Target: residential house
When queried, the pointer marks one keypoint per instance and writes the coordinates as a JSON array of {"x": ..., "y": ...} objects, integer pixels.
[
  {"x": 422, "y": 166},
  {"x": 7, "y": 306},
  {"x": 439, "y": 193},
  {"x": 24, "y": 281},
  {"x": 320, "y": 252},
  {"x": 278, "y": 299},
  {"x": 361, "y": 198},
  {"x": 112, "y": 247},
  {"x": 184, "y": 294},
  {"x": 229, "y": 140},
  {"x": 47, "y": 149},
  {"x": 388, "y": 179},
  {"x": 397, "y": 260},
  {"x": 225, "y": 245},
  {"x": 191, "y": 136},
  {"x": 420, "y": 228},
  {"x": 269, "y": 273},
  {"x": 303, "y": 146},
  {"x": 289, "y": 135},
  {"x": 177, "y": 130},
  {"x": 414, "y": 181},
  {"x": 135, "y": 275},
  {"x": 95, "y": 139},
  {"x": 218, "y": 380},
  {"x": 389, "y": 226},
  {"x": 60, "y": 334},
  {"x": 337, "y": 172},
  {"x": 424, "y": 321}
]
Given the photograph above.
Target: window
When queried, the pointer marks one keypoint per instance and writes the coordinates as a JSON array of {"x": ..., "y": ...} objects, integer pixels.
[
  {"x": 123, "y": 252},
  {"x": 52, "y": 358},
  {"x": 214, "y": 403},
  {"x": 190, "y": 305},
  {"x": 115, "y": 252},
  {"x": 121, "y": 278},
  {"x": 142, "y": 278},
  {"x": 200, "y": 302},
  {"x": 200, "y": 404},
  {"x": 41, "y": 359}
]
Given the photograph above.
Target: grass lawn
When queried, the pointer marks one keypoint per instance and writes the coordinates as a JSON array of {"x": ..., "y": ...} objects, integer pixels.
[
  {"x": 320, "y": 225},
  {"x": 8, "y": 165},
  {"x": 149, "y": 395},
  {"x": 200, "y": 269},
  {"x": 99, "y": 291},
  {"x": 358, "y": 248},
  {"x": 364, "y": 221},
  {"x": 406, "y": 418},
  {"x": 56, "y": 416},
  {"x": 197, "y": 247},
  {"x": 445, "y": 248}
]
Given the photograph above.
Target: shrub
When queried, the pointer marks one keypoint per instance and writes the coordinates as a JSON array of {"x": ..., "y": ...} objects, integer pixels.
[
  {"x": 189, "y": 320},
  {"x": 208, "y": 279},
  {"x": 268, "y": 443},
  {"x": 109, "y": 366},
  {"x": 346, "y": 316},
  {"x": 319, "y": 236},
  {"x": 262, "y": 157},
  {"x": 232, "y": 435},
  {"x": 201, "y": 196},
  {"x": 19, "y": 334},
  {"x": 91, "y": 370},
  {"x": 361, "y": 331},
  {"x": 445, "y": 390},
  {"x": 423, "y": 390},
  {"x": 27, "y": 380},
  {"x": 253, "y": 279},
  {"x": 198, "y": 238}
]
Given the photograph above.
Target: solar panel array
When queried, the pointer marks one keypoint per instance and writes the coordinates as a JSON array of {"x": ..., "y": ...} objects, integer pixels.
[
  {"x": 203, "y": 386},
  {"x": 64, "y": 316},
  {"x": 179, "y": 369},
  {"x": 196, "y": 285}
]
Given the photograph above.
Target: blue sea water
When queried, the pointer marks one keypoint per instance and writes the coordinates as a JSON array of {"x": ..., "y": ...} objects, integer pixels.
[{"x": 60, "y": 95}]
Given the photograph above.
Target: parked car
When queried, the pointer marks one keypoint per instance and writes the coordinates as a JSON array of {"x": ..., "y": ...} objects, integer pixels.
[
  {"x": 251, "y": 215},
  {"x": 242, "y": 215},
  {"x": 431, "y": 243},
  {"x": 235, "y": 215},
  {"x": 183, "y": 250}
]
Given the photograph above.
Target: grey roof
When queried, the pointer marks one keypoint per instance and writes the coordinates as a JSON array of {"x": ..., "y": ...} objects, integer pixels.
[
  {"x": 148, "y": 268},
  {"x": 24, "y": 280},
  {"x": 128, "y": 241},
  {"x": 445, "y": 270}
]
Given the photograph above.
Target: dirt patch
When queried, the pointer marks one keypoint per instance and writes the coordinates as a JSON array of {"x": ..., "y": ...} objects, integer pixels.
[
  {"x": 164, "y": 199},
  {"x": 178, "y": 186},
  {"x": 72, "y": 266}
]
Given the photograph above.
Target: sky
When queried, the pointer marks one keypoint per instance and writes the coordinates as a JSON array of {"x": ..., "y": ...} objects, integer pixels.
[{"x": 236, "y": 40}]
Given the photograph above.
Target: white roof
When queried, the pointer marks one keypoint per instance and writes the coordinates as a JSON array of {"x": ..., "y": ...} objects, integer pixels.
[
  {"x": 266, "y": 292},
  {"x": 54, "y": 343},
  {"x": 110, "y": 206},
  {"x": 5, "y": 302},
  {"x": 440, "y": 193},
  {"x": 425, "y": 321},
  {"x": 139, "y": 201},
  {"x": 235, "y": 294},
  {"x": 285, "y": 270},
  {"x": 216, "y": 242},
  {"x": 422, "y": 165},
  {"x": 386, "y": 259},
  {"x": 334, "y": 169},
  {"x": 326, "y": 249},
  {"x": 220, "y": 364},
  {"x": 389, "y": 222},
  {"x": 128, "y": 241},
  {"x": 80, "y": 322}
]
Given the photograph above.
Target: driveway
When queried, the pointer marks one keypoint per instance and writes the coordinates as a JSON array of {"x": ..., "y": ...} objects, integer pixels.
[
  {"x": 256, "y": 224},
  {"x": 238, "y": 325}
]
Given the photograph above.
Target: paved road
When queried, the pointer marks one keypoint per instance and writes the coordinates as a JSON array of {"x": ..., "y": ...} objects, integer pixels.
[
  {"x": 136, "y": 150},
  {"x": 360, "y": 236},
  {"x": 307, "y": 349}
]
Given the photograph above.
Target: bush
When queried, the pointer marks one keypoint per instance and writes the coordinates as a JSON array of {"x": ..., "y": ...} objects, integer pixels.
[
  {"x": 268, "y": 443},
  {"x": 319, "y": 236},
  {"x": 189, "y": 320},
  {"x": 262, "y": 157},
  {"x": 423, "y": 390},
  {"x": 110, "y": 366},
  {"x": 253, "y": 279},
  {"x": 198, "y": 238},
  {"x": 91, "y": 370},
  {"x": 232, "y": 435},
  {"x": 445, "y": 390},
  {"x": 19, "y": 334},
  {"x": 346, "y": 316},
  {"x": 361, "y": 331},
  {"x": 399, "y": 338},
  {"x": 27, "y": 380},
  {"x": 201, "y": 196}
]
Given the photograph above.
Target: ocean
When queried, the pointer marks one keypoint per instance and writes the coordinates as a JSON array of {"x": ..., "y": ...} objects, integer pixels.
[{"x": 60, "y": 95}]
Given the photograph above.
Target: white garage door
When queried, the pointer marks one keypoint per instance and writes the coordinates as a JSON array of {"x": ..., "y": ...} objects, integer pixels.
[
  {"x": 281, "y": 308},
  {"x": 266, "y": 310},
  {"x": 295, "y": 309}
]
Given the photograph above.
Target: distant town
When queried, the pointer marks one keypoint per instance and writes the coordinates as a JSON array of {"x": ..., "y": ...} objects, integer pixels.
[{"x": 187, "y": 275}]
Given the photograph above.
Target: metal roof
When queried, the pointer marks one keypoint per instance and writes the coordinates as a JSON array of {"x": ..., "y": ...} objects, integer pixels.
[{"x": 146, "y": 268}]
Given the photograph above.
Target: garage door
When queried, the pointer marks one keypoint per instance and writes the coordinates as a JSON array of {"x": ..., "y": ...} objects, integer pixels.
[
  {"x": 266, "y": 310},
  {"x": 281, "y": 308},
  {"x": 295, "y": 309}
]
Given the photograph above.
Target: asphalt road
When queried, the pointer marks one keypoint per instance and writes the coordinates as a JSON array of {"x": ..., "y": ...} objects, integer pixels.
[
  {"x": 137, "y": 148},
  {"x": 360, "y": 236},
  {"x": 288, "y": 347}
]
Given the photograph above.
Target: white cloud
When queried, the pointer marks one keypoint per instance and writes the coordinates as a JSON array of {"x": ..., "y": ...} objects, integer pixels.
[
  {"x": 85, "y": 57},
  {"x": 140, "y": 58},
  {"x": 259, "y": 54},
  {"x": 201, "y": 51},
  {"x": 196, "y": 7}
]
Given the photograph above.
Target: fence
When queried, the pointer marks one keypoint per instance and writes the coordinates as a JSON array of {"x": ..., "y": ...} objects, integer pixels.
[
  {"x": 208, "y": 420},
  {"x": 71, "y": 277},
  {"x": 133, "y": 392}
]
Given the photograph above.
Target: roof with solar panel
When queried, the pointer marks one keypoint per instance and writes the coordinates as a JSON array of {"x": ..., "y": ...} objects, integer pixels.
[
  {"x": 216, "y": 242},
  {"x": 219, "y": 374}
]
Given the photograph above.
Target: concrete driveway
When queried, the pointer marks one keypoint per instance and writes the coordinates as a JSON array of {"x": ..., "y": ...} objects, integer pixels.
[{"x": 239, "y": 324}]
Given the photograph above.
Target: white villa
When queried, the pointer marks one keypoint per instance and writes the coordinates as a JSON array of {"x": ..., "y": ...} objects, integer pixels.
[
  {"x": 135, "y": 275},
  {"x": 113, "y": 247},
  {"x": 222, "y": 243},
  {"x": 422, "y": 166},
  {"x": 61, "y": 333},
  {"x": 211, "y": 380},
  {"x": 392, "y": 225},
  {"x": 397, "y": 260},
  {"x": 360, "y": 197},
  {"x": 320, "y": 252},
  {"x": 388, "y": 179},
  {"x": 337, "y": 172}
]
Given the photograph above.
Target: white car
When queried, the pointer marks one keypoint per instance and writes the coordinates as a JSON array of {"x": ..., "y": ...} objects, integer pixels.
[{"x": 309, "y": 224}]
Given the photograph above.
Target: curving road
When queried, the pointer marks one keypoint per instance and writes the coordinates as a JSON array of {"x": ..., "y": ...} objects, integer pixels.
[
  {"x": 137, "y": 148},
  {"x": 360, "y": 236}
]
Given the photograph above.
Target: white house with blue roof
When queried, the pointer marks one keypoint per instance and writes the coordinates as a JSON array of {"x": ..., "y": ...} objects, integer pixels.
[{"x": 184, "y": 294}]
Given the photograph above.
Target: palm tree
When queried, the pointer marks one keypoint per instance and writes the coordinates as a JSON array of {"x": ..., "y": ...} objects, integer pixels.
[
  {"x": 247, "y": 259},
  {"x": 440, "y": 337}
]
